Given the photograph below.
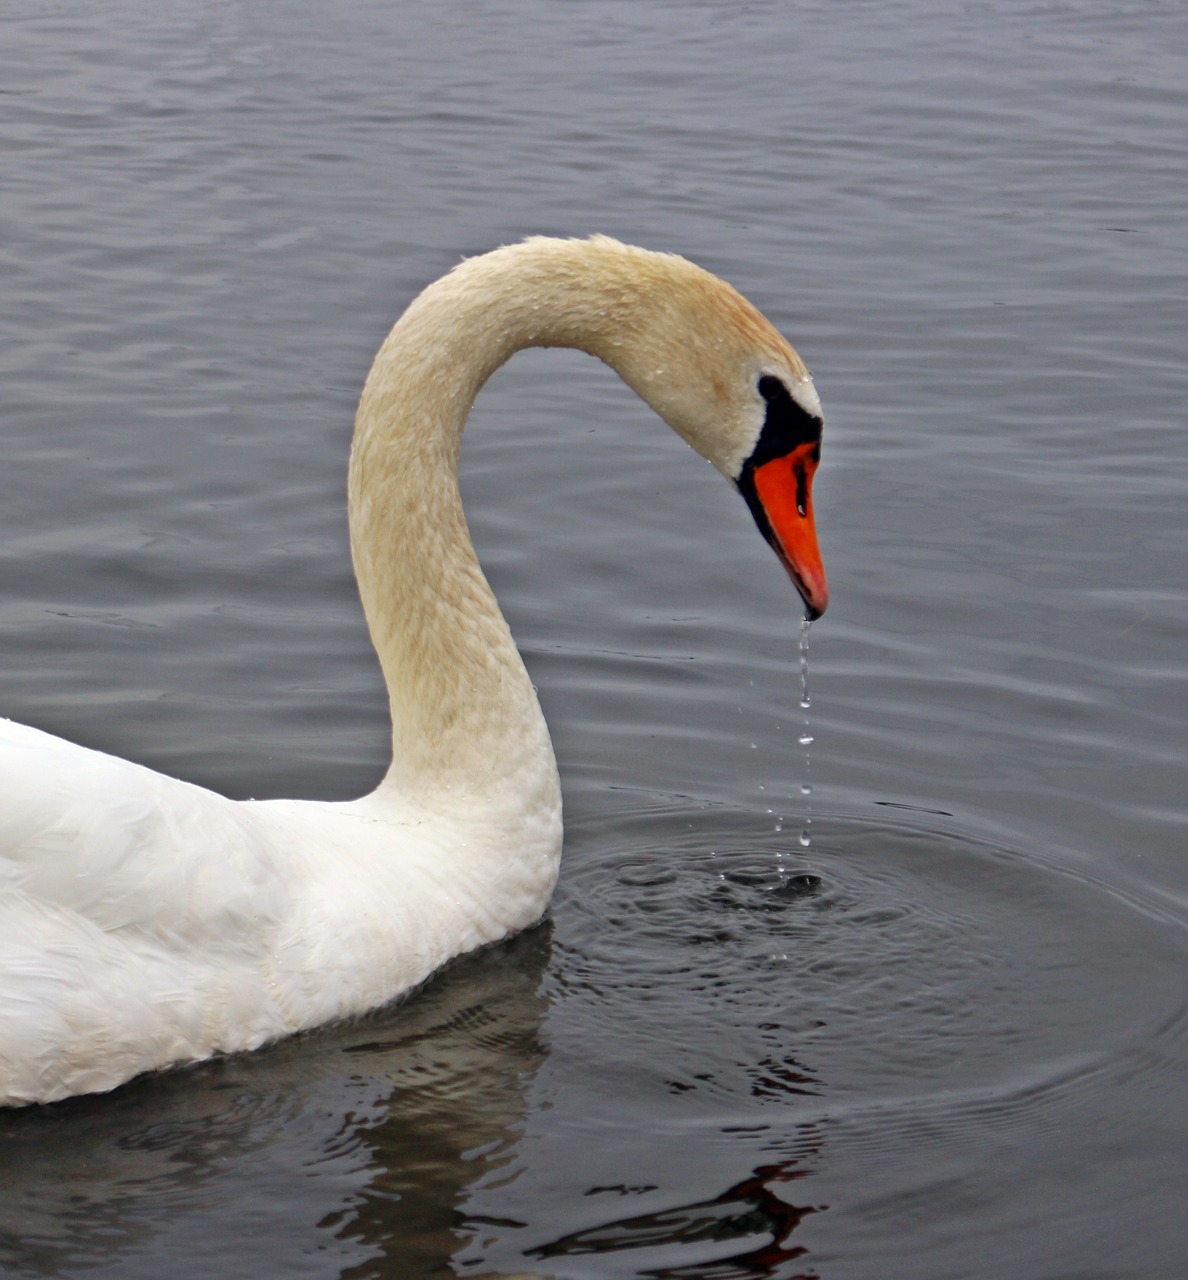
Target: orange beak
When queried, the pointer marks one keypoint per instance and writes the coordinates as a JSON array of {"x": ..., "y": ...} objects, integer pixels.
[{"x": 783, "y": 490}]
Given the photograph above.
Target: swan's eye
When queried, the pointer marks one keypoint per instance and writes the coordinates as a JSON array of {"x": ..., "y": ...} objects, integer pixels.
[{"x": 785, "y": 426}]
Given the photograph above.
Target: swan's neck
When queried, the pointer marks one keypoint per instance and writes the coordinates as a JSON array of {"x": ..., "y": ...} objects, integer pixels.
[{"x": 464, "y": 713}]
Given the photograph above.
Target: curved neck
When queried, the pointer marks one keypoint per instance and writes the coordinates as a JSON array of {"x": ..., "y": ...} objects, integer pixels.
[{"x": 464, "y": 713}]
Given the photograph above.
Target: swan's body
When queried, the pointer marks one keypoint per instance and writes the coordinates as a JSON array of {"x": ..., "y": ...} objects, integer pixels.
[{"x": 145, "y": 921}]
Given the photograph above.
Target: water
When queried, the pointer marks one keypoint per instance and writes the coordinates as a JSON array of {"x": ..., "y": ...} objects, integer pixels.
[
  {"x": 806, "y": 737},
  {"x": 948, "y": 1037}
]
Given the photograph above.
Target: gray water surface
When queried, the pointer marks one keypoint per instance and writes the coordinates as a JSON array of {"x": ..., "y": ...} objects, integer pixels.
[{"x": 949, "y": 1038}]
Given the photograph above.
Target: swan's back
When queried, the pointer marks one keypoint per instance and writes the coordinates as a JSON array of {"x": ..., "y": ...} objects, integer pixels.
[
  {"x": 133, "y": 911},
  {"x": 145, "y": 921}
]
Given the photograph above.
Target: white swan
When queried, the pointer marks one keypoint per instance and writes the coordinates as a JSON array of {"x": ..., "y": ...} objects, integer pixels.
[{"x": 146, "y": 921}]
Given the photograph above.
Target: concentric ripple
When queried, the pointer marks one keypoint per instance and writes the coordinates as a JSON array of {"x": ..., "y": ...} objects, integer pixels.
[{"x": 899, "y": 960}]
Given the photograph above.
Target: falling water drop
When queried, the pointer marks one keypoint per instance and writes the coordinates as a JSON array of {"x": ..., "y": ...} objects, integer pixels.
[{"x": 806, "y": 737}]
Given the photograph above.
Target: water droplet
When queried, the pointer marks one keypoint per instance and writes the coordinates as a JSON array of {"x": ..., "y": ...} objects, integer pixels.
[
  {"x": 806, "y": 837},
  {"x": 806, "y": 789},
  {"x": 806, "y": 739}
]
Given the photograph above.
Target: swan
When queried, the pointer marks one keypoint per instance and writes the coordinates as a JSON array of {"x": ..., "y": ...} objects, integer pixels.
[{"x": 147, "y": 922}]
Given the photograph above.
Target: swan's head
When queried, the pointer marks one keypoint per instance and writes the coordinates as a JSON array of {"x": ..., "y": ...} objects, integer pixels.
[
  {"x": 776, "y": 479},
  {"x": 731, "y": 385}
]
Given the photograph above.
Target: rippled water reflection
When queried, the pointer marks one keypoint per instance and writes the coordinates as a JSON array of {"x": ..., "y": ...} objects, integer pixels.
[
  {"x": 948, "y": 1037},
  {"x": 905, "y": 989}
]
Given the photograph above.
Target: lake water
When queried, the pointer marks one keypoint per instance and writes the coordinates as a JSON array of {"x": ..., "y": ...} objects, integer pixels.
[{"x": 949, "y": 1038}]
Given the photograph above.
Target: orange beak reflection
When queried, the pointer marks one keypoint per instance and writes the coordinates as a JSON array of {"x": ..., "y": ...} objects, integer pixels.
[{"x": 783, "y": 489}]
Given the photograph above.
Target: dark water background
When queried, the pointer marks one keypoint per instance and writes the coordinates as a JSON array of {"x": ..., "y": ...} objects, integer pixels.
[{"x": 962, "y": 1053}]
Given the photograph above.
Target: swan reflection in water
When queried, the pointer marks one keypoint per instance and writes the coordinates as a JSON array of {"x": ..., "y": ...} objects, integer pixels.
[
  {"x": 387, "y": 1147},
  {"x": 354, "y": 1144}
]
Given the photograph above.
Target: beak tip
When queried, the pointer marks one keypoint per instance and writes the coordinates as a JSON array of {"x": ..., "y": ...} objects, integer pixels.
[
  {"x": 815, "y": 602},
  {"x": 810, "y": 586}
]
